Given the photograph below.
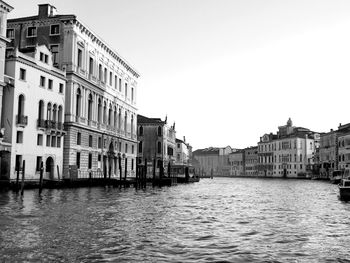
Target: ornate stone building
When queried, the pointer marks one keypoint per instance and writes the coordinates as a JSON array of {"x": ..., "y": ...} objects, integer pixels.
[
  {"x": 100, "y": 101},
  {"x": 289, "y": 153},
  {"x": 5, "y": 146},
  {"x": 157, "y": 143}
]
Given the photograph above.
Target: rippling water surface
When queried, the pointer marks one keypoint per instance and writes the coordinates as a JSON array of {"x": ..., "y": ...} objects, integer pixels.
[{"x": 219, "y": 220}]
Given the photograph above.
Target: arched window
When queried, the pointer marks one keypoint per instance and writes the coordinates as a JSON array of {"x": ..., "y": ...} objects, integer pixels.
[
  {"x": 125, "y": 122},
  {"x": 104, "y": 112},
  {"x": 115, "y": 117},
  {"x": 48, "y": 112},
  {"x": 41, "y": 110},
  {"x": 159, "y": 131},
  {"x": 159, "y": 147},
  {"x": 60, "y": 112},
  {"x": 99, "y": 111},
  {"x": 100, "y": 72},
  {"x": 141, "y": 131},
  {"x": 78, "y": 104},
  {"x": 54, "y": 113},
  {"x": 90, "y": 101},
  {"x": 110, "y": 115},
  {"x": 20, "y": 111},
  {"x": 140, "y": 147},
  {"x": 120, "y": 120}
]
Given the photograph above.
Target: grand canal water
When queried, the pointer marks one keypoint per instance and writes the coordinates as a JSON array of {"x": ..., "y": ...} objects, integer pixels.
[{"x": 219, "y": 220}]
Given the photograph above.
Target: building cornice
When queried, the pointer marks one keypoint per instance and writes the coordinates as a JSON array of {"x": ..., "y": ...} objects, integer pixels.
[
  {"x": 6, "y": 7},
  {"x": 101, "y": 43},
  {"x": 34, "y": 65},
  {"x": 72, "y": 20}
]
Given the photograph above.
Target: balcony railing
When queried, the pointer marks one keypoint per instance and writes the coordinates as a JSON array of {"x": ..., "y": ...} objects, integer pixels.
[
  {"x": 22, "y": 120},
  {"x": 41, "y": 123},
  {"x": 49, "y": 124}
]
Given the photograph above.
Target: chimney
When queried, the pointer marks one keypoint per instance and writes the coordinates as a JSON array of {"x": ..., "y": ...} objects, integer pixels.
[
  {"x": 46, "y": 10},
  {"x": 184, "y": 139}
]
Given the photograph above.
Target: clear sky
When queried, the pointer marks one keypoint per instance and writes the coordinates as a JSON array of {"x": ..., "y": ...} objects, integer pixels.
[{"x": 228, "y": 71}]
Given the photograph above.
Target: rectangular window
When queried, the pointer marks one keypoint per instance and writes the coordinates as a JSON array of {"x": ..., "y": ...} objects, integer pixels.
[
  {"x": 39, "y": 159},
  {"x": 54, "y": 29},
  {"x": 39, "y": 139},
  {"x": 99, "y": 144},
  {"x": 132, "y": 164},
  {"x": 126, "y": 90},
  {"x": 22, "y": 74},
  {"x": 90, "y": 140},
  {"x": 126, "y": 148},
  {"x": 55, "y": 54},
  {"x": 42, "y": 81},
  {"x": 132, "y": 149},
  {"x": 78, "y": 138},
  {"x": 58, "y": 142},
  {"x": 91, "y": 66},
  {"x": 120, "y": 85},
  {"x": 19, "y": 138},
  {"x": 120, "y": 146},
  {"x": 48, "y": 140},
  {"x": 61, "y": 88},
  {"x": 90, "y": 161},
  {"x": 50, "y": 84},
  {"x": 78, "y": 160},
  {"x": 115, "y": 82},
  {"x": 31, "y": 31},
  {"x": 43, "y": 57},
  {"x": 10, "y": 33},
  {"x": 132, "y": 94},
  {"x": 80, "y": 57},
  {"x": 105, "y": 76},
  {"x": 53, "y": 141},
  {"x": 105, "y": 143},
  {"x": 301, "y": 166},
  {"x": 110, "y": 78}
]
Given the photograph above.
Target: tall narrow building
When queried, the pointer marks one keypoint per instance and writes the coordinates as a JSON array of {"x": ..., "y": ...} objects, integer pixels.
[
  {"x": 100, "y": 96},
  {"x": 5, "y": 146}
]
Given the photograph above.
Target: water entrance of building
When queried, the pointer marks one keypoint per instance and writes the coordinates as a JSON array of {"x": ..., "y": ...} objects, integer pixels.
[
  {"x": 49, "y": 168},
  {"x": 284, "y": 172}
]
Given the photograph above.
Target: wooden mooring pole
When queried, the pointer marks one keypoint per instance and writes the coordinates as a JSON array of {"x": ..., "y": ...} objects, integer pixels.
[
  {"x": 41, "y": 178},
  {"x": 126, "y": 168},
  {"x": 23, "y": 174},
  {"x": 17, "y": 179},
  {"x": 58, "y": 173},
  {"x": 154, "y": 170},
  {"x": 120, "y": 169}
]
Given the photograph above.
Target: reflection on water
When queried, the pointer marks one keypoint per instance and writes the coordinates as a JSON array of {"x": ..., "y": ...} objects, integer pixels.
[{"x": 219, "y": 220}]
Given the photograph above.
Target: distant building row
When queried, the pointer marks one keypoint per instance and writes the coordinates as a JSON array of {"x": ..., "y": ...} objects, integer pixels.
[{"x": 291, "y": 152}]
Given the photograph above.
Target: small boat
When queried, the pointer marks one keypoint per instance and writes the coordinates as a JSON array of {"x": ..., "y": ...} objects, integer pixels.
[
  {"x": 344, "y": 189},
  {"x": 336, "y": 176},
  {"x": 184, "y": 173}
]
